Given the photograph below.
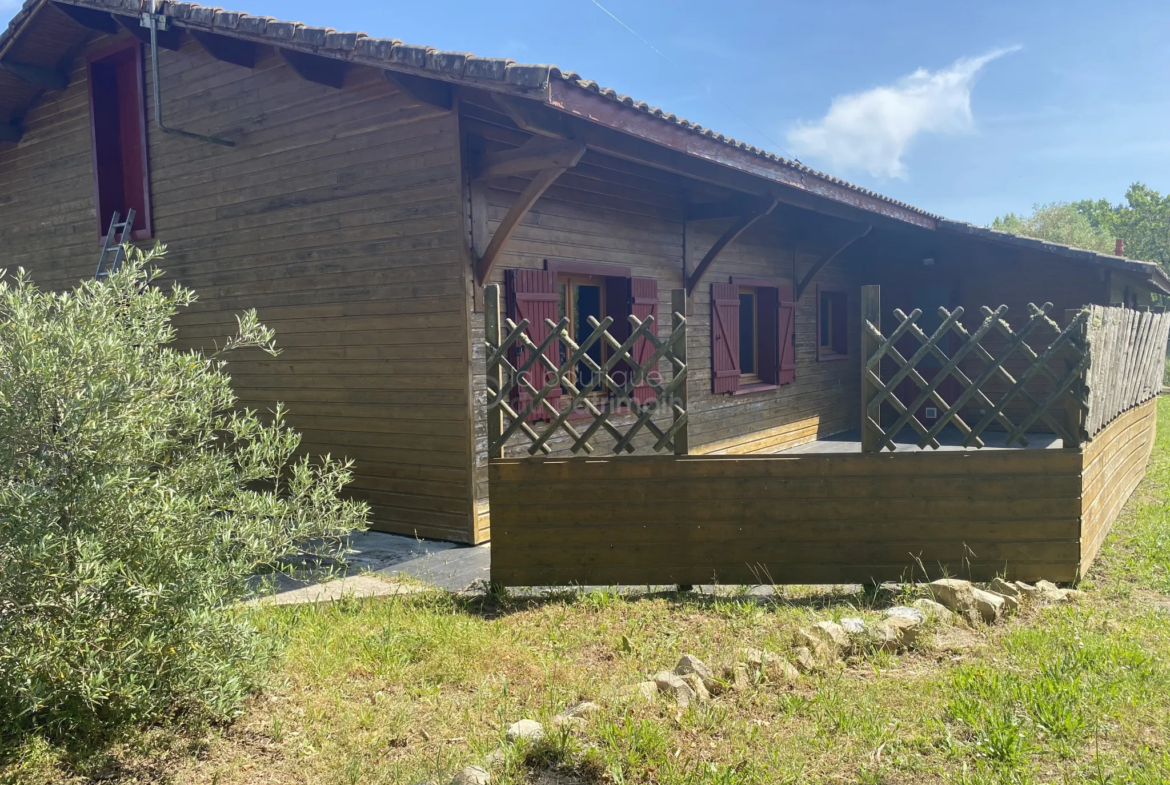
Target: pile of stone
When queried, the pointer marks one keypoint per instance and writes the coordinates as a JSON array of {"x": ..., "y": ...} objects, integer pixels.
[{"x": 1001, "y": 597}]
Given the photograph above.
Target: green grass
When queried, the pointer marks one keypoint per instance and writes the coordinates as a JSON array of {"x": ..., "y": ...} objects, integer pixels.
[{"x": 407, "y": 689}]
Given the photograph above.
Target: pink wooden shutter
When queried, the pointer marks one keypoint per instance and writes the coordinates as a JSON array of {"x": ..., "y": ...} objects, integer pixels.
[
  {"x": 787, "y": 323},
  {"x": 532, "y": 295},
  {"x": 643, "y": 304},
  {"x": 724, "y": 338}
]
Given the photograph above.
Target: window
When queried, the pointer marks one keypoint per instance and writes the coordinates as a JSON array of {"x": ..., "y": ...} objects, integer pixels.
[
  {"x": 577, "y": 291},
  {"x": 749, "y": 325},
  {"x": 578, "y": 298},
  {"x": 752, "y": 341},
  {"x": 117, "y": 110},
  {"x": 832, "y": 324}
]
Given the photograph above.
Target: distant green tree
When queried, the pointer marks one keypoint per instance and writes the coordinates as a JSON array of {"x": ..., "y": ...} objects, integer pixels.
[
  {"x": 1143, "y": 221},
  {"x": 1059, "y": 222}
]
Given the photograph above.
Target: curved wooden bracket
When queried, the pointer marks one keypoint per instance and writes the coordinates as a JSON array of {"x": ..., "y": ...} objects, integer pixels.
[
  {"x": 537, "y": 154},
  {"x": 816, "y": 268},
  {"x": 520, "y": 208},
  {"x": 735, "y": 230}
]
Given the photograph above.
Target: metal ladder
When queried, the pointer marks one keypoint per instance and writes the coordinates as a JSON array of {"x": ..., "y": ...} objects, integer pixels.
[{"x": 112, "y": 251}]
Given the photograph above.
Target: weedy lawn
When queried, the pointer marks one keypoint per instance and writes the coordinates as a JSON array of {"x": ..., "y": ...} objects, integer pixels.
[{"x": 410, "y": 689}]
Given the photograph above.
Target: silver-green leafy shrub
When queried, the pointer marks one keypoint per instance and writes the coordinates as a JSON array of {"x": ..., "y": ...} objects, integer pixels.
[{"x": 137, "y": 503}]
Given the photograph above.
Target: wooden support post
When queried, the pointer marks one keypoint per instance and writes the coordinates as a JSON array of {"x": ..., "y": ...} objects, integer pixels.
[
  {"x": 493, "y": 331},
  {"x": 678, "y": 307},
  {"x": 871, "y": 311}
]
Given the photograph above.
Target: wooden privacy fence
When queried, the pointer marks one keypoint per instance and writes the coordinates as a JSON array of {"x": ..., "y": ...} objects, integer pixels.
[
  {"x": 523, "y": 375},
  {"x": 979, "y": 373},
  {"x": 1128, "y": 355}
]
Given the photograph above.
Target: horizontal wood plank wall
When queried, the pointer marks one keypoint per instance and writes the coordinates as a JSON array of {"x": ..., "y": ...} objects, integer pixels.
[
  {"x": 824, "y": 398},
  {"x": 800, "y": 519},
  {"x": 336, "y": 216},
  {"x": 1114, "y": 463}
]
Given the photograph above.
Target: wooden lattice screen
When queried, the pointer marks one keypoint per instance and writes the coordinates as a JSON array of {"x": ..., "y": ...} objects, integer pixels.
[
  {"x": 518, "y": 406},
  {"x": 1128, "y": 350},
  {"x": 988, "y": 364}
]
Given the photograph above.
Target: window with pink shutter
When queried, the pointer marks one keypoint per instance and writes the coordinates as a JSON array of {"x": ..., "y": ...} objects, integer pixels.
[{"x": 532, "y": 295}]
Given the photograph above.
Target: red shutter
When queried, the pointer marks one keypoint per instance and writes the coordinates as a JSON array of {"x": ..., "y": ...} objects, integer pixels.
[
  {"x": 643, "y": 304},
  {"x": 532, "y": 295},
  {"x": 724, "y": 338},
  {"x": 787, "y": 337}
]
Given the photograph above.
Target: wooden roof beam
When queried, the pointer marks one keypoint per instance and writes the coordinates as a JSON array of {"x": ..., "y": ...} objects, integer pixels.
[
  {"x": 816, "y": 268},
  {"x": 234, "y": 51},
  {"x": 170, "y": 39},
  {"x": 89, "y": 18},
  {"x": 36, "y": 74},
  {"x": 321, "y": 70},
  {"x": 10, "y": 132},
  {"x": 421, "y": 89},
  {"x": 732, "y": 207},
  {"x": 745, "y": 220},
  {"x": 535, "y": 155},
  {"x": 520, "y": 208}
]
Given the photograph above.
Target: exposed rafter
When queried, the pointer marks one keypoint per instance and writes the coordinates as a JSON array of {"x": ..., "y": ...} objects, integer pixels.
[
  {"x": 816, "y": 268},
  {"x": 534, "y": 155},
  {"x": 741, "y": 225},
  {"x": 170, "y": 39},
  {"x": 10, "y": 132},
  {"x": 89, "y": 18},
  {"x": 732, "y": 207},
  {"x": 427, "y": 91},
  {"x": 234, "y": 51},
  {"x": 322, "y": 70},
  {"x": 534, "y": 117},
  {"x": 36, "y": 74},
  {"x": 520, "y": 208}
]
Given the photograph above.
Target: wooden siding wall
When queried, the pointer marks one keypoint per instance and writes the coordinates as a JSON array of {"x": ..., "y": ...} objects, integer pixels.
[
  {"x": 1114, "y": 463},
  {"x": 797, "y": 519},
  {"x": 336, "y": 216},
  {"x": 606, "y": 211}
]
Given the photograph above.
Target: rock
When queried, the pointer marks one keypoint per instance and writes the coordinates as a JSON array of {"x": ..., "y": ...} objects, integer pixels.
[
  {"x": 854, "y": 626},
  {"x": 958, "y": 596},
  {"x": 989, "y": 605},
  {"x": 472, "y": 775},
  {"x": 934, "y": 612},
  {"x": 496, "y": 757},
  {"x": 569, "y": 722},
  {"x": 1000, "y": 586},
  {"x": 525, "y": 730},
  {"x": 1073, "y": 595},
  {"x": 805, "y": 661},
  {"x": 582, "y": 709},
  {"x": 736, "y": 677},
  {"x": 1010, "y": 604},
  {"x": 883, "y": 636},
  {"x": 674, "y": 684},
  {"x": 690, "y": 664},
  {"x": 774, "y": 667},
  {"x": 696, "y": 684},
  {"x": 904, "y": 612},
  {"x": 832, "y": 634},
  {"x": 646, "y": 690},
  {"x": 1027, "y": 589},
  {"x": 905, "y": 629}
]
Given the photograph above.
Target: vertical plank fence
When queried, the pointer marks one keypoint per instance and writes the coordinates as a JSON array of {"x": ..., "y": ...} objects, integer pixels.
[{"x": 1128, "y": 351}]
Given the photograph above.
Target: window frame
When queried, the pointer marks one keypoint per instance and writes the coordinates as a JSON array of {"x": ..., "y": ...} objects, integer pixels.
[
  {"x": 138, "y": 56},
  {"x": 747, "y": 379},
  {"x": 568, "y": 280},
  {"x": 832, "y": 352},
  {"x": 753, "y": 383}
]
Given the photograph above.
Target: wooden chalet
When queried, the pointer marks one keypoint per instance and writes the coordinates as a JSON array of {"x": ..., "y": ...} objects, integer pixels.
[{"x": 363, "y": 194}]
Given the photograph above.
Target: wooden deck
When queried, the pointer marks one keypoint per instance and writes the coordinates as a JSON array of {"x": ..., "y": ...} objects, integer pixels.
[{"x": 950, "y": 439}]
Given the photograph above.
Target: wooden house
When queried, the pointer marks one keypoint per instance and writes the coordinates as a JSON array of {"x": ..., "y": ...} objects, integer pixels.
[{"x": 359, "y": 193}]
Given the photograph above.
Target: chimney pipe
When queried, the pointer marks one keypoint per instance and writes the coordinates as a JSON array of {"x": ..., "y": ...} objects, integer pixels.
[{"x": 1119, "y": 246}]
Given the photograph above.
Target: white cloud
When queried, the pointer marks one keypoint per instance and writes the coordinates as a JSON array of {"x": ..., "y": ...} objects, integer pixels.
[{"x": 871, "y": 130}]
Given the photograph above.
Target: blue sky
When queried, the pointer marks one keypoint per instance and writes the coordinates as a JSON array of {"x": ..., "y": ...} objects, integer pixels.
[{"x": 1075, "y": 105}]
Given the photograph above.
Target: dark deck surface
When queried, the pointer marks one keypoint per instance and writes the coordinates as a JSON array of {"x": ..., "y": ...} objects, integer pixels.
[{"x": 907, "y": 440}]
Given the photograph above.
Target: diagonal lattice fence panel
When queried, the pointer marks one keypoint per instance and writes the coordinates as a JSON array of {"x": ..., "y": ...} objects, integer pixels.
[
  {"x": 991, "y": 371},
  {"x": 524, "y": 376}
]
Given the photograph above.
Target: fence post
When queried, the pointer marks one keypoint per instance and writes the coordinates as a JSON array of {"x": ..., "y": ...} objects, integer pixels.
[
  {"x": 871, "y": 311},
  {"x": 495, "y": 379},
  {"x": 1073, "y": 413},
  {"x": 678, "y": 308}
]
